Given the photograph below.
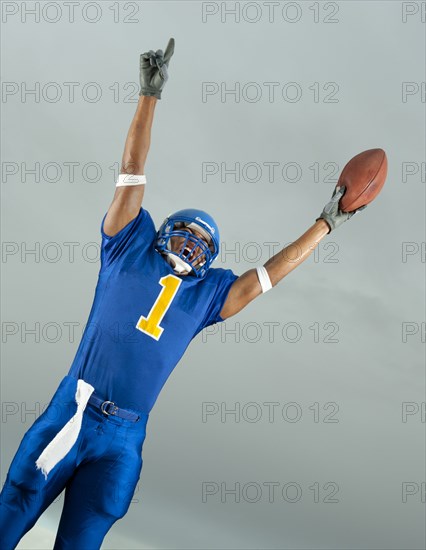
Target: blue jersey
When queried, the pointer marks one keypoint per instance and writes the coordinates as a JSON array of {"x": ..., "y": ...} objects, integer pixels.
[{"x": 143, "y": 317}]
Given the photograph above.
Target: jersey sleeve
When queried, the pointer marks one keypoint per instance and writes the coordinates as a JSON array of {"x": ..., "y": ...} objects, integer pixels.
[
  {"x": 138, "y": 231},
  {"x": 223, "y": 280}
]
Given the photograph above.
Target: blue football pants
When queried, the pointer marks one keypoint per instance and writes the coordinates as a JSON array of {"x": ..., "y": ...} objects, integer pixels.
[{"x": 99, "y": 475}]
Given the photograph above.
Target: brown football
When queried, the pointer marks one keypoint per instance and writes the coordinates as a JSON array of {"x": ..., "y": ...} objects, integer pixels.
[{"x": 363, "y": 176}]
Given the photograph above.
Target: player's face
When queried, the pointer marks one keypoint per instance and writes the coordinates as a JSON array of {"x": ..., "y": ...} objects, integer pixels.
[{"x": 177, "y": 245}]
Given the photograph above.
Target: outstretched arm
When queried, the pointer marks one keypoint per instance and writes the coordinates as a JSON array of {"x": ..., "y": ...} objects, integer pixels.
[
  {"x": 247, "y": 287},
  {"x": 128, "y": 197}
]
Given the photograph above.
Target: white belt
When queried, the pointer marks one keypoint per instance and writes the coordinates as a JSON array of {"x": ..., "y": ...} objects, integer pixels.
[{"x": 64, "y": 440}]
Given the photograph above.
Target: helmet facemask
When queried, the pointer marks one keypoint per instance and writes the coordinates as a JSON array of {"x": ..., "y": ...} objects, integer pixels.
[{"x": 187, "y": 246}]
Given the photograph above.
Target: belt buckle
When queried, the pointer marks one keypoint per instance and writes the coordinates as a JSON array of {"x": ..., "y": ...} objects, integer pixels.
[{"x": 114, "y": 409}]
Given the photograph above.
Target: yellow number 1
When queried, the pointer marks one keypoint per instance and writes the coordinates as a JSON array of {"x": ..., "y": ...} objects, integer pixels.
[{"x": 151, "y": 324}]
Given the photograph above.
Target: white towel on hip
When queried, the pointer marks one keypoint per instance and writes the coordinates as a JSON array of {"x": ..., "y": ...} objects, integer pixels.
[{"x": 64, "y": 440}]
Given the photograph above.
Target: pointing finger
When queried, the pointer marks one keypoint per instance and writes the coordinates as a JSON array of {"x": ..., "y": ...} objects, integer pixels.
[{"x": 169, "y": 50}]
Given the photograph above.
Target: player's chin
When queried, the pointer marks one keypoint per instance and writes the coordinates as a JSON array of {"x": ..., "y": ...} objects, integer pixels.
[{"x": 199, "y": 262}]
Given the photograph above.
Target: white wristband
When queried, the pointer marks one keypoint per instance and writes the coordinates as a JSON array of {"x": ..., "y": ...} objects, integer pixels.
[
  {"x": 130, "y": 179},
  {"x": 264, "y": 280}
]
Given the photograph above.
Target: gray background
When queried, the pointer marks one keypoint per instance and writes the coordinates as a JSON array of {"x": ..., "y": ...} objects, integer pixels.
[{"x": 358, "y": 280}]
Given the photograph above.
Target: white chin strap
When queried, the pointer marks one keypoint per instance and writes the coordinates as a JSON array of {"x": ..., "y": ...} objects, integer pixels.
[{"x": 177, "y": 263}]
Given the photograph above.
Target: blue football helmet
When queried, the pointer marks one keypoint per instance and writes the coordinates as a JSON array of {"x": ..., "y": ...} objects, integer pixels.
[{"x": 196, "y": 241}]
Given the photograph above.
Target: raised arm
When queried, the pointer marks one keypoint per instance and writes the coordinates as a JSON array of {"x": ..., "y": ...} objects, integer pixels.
[
  {"x": 129, "y": 192},
  {"x": 247, "y": 287},
  {"x": 128, "y": 198}
]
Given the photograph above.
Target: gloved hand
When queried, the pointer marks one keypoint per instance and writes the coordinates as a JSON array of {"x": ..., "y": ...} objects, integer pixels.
[
  {"x": 332, "y": 213},
  {"x": 153, "y": 72}
]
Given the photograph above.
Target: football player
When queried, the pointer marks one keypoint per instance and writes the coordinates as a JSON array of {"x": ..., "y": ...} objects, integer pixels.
[{"x": 156, "y": 291}]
